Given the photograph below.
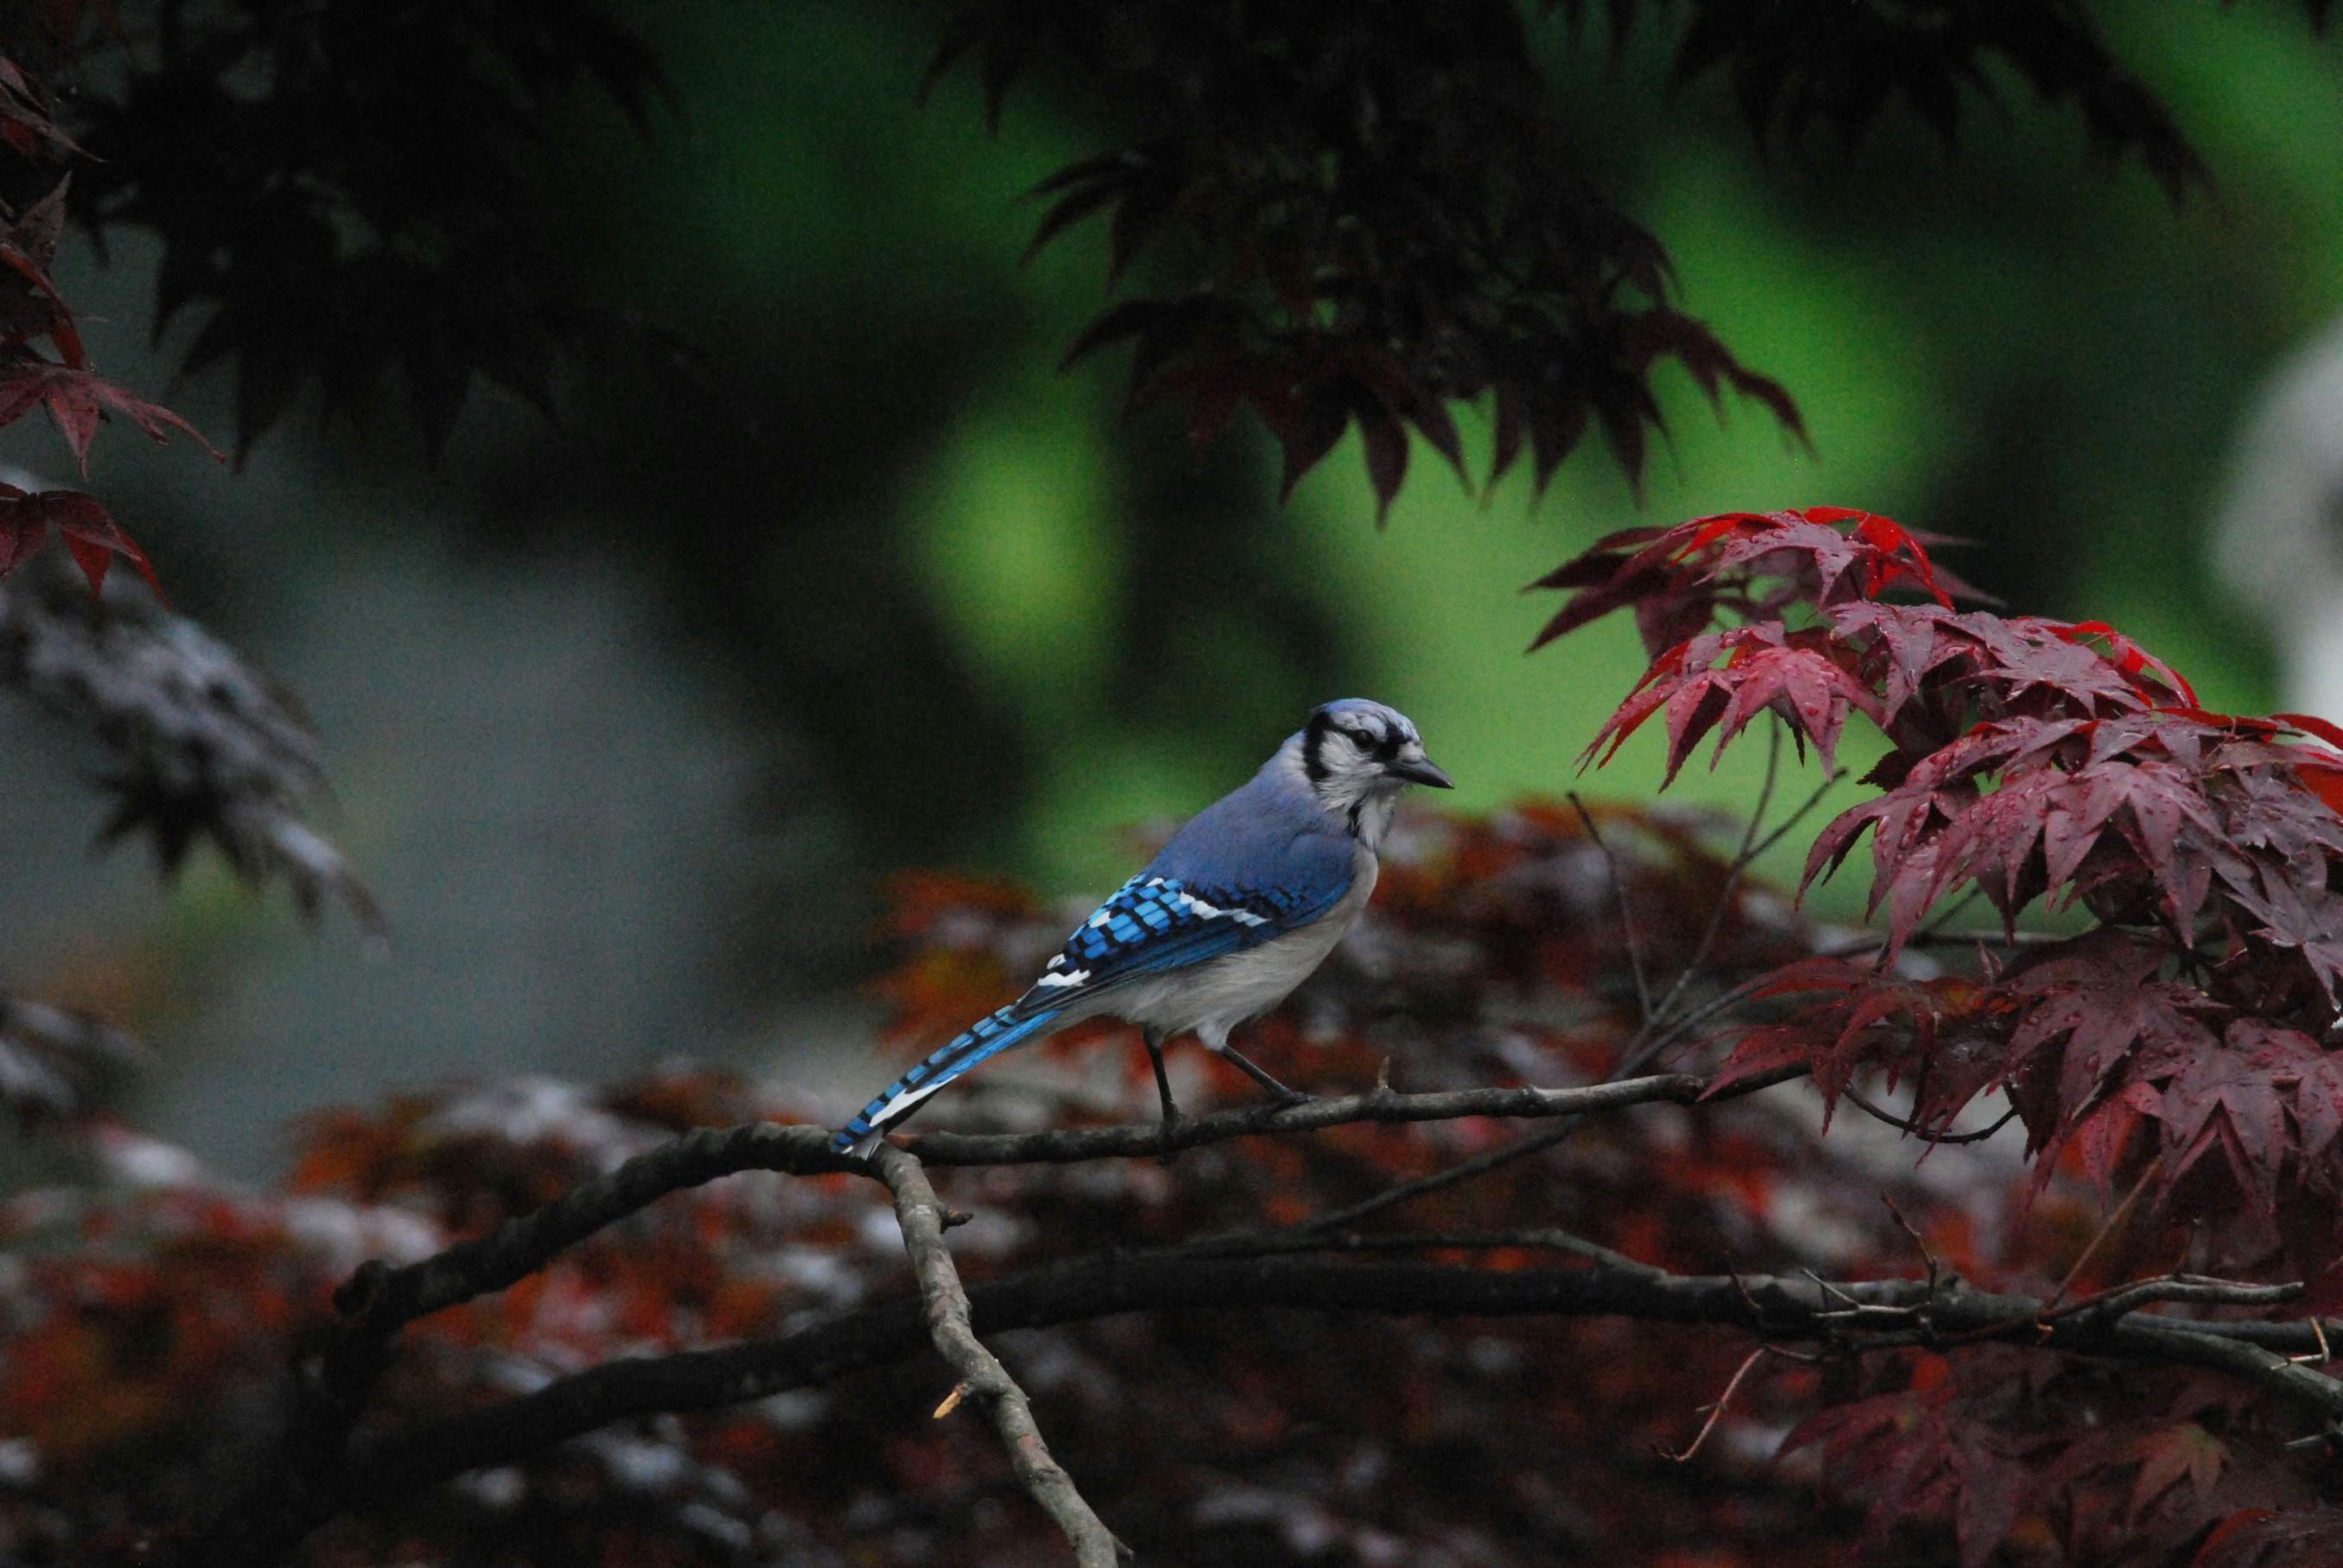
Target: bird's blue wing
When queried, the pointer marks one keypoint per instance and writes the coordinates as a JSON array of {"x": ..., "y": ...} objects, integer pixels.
[
  {"x": 1161, "y": 919},
  {"x": 1155, "y": 923}
]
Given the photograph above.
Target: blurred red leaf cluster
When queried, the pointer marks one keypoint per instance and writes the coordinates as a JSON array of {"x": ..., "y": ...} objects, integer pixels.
[
  {"x": 146, "y": 1323},
  {"x": 165, "y": 1315}
]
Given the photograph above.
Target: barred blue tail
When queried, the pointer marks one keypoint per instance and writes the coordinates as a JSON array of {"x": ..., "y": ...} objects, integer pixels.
[{"x": 990, "y": 1037}]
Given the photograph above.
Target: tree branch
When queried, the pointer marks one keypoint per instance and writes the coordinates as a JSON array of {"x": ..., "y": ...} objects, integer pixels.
[
  {"x": 1852, "y": 1316},
  {"x": 1382, "y": 1105},
  {"x": 378, "y": 1301},
  {"x": 924, "y": 1219},
  {"x": 294, "y": 1490}
]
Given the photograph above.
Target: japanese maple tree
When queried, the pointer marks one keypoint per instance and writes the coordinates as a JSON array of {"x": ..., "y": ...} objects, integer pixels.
[
  {"x": 1379, "y": 1326},
  {"x": 1636, "y": 1212},
  {"x": 2180, "y": 1048}
]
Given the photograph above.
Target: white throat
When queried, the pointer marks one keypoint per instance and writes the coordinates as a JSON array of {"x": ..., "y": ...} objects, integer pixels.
[
  {"x": 1360, "y": 798},
  {"x": 1371, "y": 816}
]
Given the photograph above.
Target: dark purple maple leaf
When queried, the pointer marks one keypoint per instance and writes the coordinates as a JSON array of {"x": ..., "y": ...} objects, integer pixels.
[
  {"x": 77, "y": 399},
  {"x": 87, "y": 530}
]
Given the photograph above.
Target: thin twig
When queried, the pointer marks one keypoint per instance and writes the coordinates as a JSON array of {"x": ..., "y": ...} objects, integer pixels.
[
  {"x": 1805, "y": 808},
  {"x": 1733, "y": 874},
  {"x": 1491, "y": 1159},
  {"x": 1657, "y": 1031},
  {"x": 1534, "y": 1239},
  {"x": 2108, "y": 1305},
  {"x": 2106, "y": 1228},
  {"x": 1717, "y": 1411},
  {"x": 2201, "y": 1289},
  {"x": 1927, "y": 1253},
  {"x": 922, "y": 1217},
  {"x": 1664, "y": 1030},
  {"x": 1655, "y": 1034},
  {"x": 1626, "y": 914},
  {"x": 1907, "y": 1124},
  {"x": 1422, "y": 1186}
]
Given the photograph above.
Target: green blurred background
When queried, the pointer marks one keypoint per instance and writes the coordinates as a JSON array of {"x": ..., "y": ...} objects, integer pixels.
[
  {"x": 2008, "y": 341},
  {"x": 630, "y": 714}
]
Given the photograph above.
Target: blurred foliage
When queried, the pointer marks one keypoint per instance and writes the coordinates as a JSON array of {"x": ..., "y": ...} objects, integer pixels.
[
  {"x": 1373, "y": 214},
  {"x": 343, "y": 191},
  {"x": 2001, "y": 342},
  {"x": 144, "y": 1331},
  {"x": 869, "y": 477},
  {"x": 994, "y": 621},
  {"x": 201, "y": 745}
]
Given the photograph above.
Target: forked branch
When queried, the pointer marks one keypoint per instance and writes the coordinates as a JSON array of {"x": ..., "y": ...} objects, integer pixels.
[{"x": 924, "y": 1219}]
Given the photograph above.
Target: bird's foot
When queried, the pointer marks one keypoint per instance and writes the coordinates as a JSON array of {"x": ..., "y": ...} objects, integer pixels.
[
  {"x": 1167, "y": 1134},
  {"x": 1171, "y": 1117}
]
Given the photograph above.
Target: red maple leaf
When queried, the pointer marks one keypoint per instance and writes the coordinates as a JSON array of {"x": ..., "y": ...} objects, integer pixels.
[
  {"x": 2087, "y": 1009},
  {"x": 1922, "y": 1455},
  {"x": 1802, "y": 676},
  {"x": 93, "y": 536},
  {"x": 1677, "y": 578},
  {"x": 77, "y": 398}
]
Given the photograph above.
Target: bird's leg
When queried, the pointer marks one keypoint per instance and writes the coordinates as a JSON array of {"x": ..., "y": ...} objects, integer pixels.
[
  {"x": 1278, "y": 1091},
  {"x": 1153, "y": 1038}
]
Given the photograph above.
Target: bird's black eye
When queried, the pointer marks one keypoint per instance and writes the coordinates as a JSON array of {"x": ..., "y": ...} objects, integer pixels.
[{"x": 1361, "y": 739}]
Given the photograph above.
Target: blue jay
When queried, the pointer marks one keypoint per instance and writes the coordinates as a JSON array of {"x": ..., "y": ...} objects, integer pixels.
[{"x": 1241, "y": 906}]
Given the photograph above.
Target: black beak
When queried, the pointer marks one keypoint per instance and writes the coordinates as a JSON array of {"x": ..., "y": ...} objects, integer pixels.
[{"x": 1421, "y": 771}]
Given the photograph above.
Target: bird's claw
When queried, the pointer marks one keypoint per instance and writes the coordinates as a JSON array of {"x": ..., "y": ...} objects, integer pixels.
[{"x": 1167, "y": 1135}]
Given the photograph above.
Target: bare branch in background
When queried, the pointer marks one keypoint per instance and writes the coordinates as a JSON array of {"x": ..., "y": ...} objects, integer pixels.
[
  {"x": 1626, "y": 913},
  {"x": 1849, "y": 1317}
]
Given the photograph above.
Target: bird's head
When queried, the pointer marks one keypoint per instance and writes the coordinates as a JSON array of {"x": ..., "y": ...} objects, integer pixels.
[{"x": 1358, "y": 754}]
